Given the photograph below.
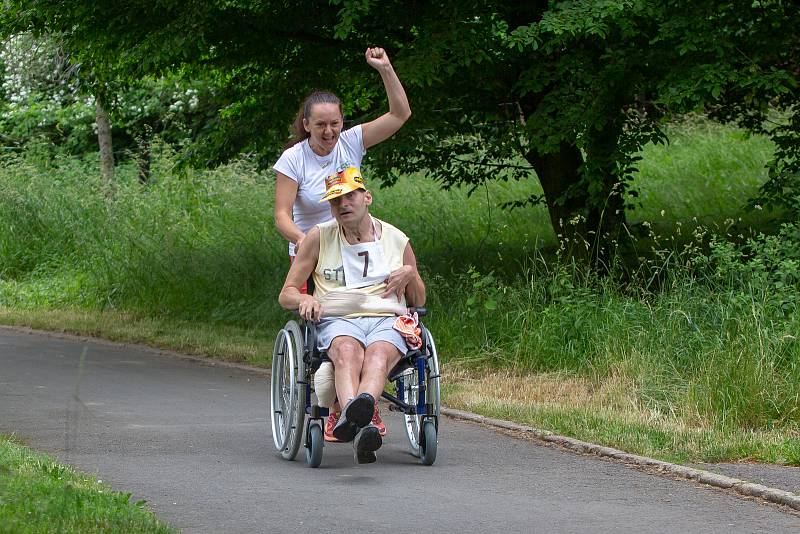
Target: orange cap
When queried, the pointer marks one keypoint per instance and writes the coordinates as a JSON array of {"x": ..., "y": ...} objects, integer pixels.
[{"x": 342, "y": 183}]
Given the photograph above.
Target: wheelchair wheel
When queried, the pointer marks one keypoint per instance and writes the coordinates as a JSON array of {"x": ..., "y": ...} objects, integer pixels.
[
  {"x": 315, "y": 442},
  {"x": 288, "y": 395},
  {"x": 410, "y": 395},
  {"x": 428, "y": 443}
]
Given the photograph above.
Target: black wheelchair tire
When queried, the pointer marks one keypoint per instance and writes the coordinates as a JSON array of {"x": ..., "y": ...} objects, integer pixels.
[
  {"x": 316, "y": 440},
  {"x": 429, "y": 443}
]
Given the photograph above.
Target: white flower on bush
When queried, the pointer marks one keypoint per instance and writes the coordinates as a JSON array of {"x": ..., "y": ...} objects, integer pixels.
[{"x": 34, "y": 68}]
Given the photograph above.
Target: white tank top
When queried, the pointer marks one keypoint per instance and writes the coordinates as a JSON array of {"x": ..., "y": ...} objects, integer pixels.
[{"x": 329, "y": 273}]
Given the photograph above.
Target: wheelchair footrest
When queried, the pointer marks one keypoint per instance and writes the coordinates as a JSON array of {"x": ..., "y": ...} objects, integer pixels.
[{"x": 397, "y": 405}]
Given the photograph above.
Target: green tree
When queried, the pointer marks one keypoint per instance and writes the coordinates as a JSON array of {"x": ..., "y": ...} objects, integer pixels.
[
  {"x": 39, "y": 97},
  {"x": 45, "y": 95},
  {"x": 564, "y": 91},
  {"x": 574, "y": 89}
]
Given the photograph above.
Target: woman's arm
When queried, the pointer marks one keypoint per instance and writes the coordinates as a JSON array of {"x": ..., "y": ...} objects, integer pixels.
[
  {"x": 285, "y": 195},
  {"x": 387, "y": 124}
]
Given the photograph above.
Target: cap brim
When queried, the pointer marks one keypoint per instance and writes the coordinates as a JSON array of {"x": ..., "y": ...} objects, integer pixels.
[{"x": 338, "y": 191}]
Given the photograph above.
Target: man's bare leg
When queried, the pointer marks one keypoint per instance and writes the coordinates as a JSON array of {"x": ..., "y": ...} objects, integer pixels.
[
  {"x": 379, "y": 358},
  {"x": 347, "y": 356}
]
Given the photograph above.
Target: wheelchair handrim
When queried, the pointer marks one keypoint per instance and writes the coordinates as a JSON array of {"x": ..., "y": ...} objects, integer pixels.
[{"x": 281, "y": 403}]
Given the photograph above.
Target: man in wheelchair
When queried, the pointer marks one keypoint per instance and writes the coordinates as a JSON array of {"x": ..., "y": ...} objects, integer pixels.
[{"x": 365, "y": 274}]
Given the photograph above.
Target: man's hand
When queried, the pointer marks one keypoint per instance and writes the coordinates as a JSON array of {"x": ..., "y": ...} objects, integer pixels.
[
  {"x": 397, "y": 282},
  {"x": 310, "y": 308},
  {"x": 377, "y": 58}
]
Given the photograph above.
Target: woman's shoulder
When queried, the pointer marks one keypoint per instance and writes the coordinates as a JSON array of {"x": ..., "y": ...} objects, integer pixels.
[
  {"x": 291, "y": 162},
  {"x": 294, "y": 151},
  {"x": 353, "y": 137}
]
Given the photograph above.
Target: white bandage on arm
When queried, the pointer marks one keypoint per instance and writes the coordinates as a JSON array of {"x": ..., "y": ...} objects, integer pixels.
[{"x": 344, "y": 303}]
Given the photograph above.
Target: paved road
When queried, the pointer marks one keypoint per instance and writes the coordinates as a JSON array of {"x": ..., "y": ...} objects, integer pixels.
[{"x": 194, "y": 441}]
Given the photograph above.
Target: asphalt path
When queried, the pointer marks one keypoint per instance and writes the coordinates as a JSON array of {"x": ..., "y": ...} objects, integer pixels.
[{"x": 193, "y": 439}]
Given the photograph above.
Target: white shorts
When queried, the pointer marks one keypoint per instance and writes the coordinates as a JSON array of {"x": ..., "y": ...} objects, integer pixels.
[{"x": 365, "y": 330}]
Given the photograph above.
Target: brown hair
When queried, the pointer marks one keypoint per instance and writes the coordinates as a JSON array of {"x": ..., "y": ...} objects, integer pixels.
[{"x": 299, "y": 133}]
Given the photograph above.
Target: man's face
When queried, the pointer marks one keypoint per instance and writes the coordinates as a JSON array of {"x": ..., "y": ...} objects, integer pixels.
[{"x": 351, "y": 207}]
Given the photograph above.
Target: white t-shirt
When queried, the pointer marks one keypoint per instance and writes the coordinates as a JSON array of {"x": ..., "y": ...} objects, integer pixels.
[{"x": 309, "y": 170}]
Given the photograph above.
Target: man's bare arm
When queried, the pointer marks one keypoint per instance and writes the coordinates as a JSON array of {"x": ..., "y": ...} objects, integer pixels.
[
  {"x": 306, "y": 260},
  {"x": 415, "y": 289}
]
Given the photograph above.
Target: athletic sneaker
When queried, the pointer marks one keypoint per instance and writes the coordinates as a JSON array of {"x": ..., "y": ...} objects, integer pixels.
[
  {"x": 333, "y": 418},
  {"x": 366, "y": 443},
  {"x": 356, "y": 414},
  {"x": 378, "y": 422}
]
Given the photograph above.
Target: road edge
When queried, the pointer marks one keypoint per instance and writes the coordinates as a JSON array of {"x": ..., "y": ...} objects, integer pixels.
[
  {"x": 742, "y": 487},
  {"x": 747, "y": 489},
  {"x": 204, "y": 360}
]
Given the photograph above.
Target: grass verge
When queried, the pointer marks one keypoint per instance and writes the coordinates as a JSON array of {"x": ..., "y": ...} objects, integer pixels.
[
  {"x": 608, "y": 414},
  {"x": 225, "y": 342},
  {"x": 39, "y": 495}
]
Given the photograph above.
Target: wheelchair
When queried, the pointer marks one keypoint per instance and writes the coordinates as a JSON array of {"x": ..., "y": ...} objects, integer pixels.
[{"x": 298, "y": 419}]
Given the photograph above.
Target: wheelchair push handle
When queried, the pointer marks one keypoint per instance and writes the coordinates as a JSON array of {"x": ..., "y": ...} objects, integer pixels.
[{"x": 422, "y": 311}]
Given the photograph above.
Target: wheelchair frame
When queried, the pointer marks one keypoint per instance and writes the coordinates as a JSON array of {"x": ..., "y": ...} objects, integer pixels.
[{"x": 297, "y": 418}]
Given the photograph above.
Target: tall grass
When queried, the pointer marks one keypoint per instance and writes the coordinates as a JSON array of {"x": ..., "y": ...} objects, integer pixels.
[
  {"x": 451, "y": 229},
  {"x": 703, "y": 177},
  {"x": 697, "y": 336},
  {"x": 191, "y": 244},
  {"x": 705, "y": 350},
  {"x": 202, "y": 243}
]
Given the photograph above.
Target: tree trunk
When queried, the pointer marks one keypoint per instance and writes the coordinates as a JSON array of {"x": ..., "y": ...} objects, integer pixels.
[
  {"x": 559, "y": 175},
  {"x": 587, "y": 224},
  {"x": 104, "y": 140}
]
